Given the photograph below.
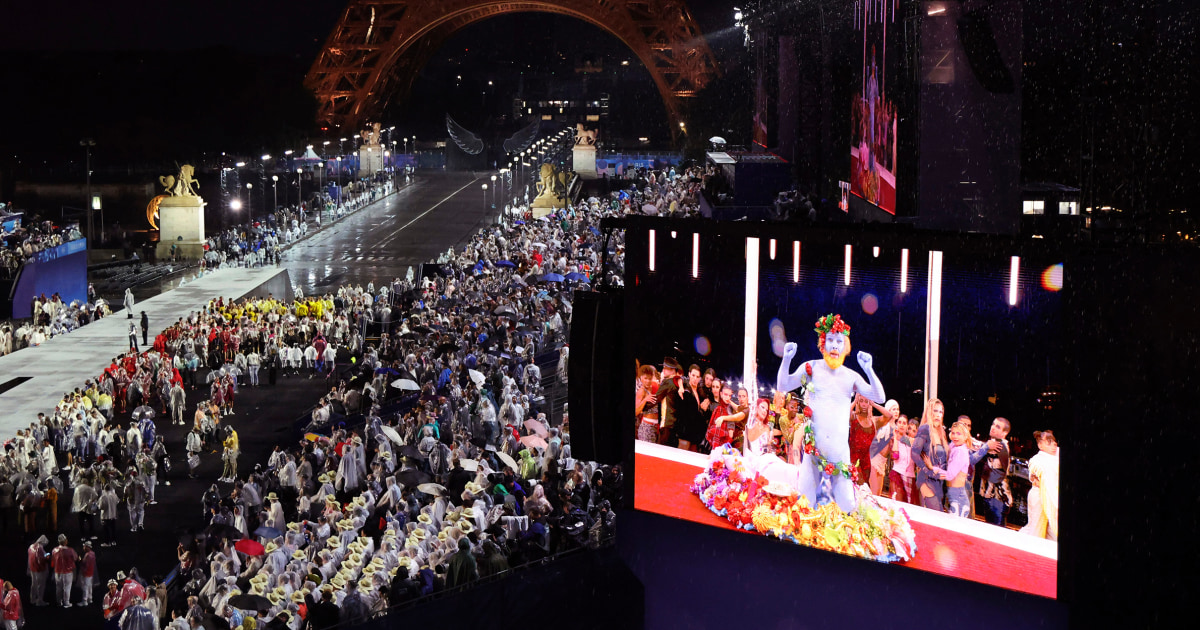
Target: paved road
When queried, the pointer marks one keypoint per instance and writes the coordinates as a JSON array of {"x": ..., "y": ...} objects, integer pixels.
[{"x": 379, "y": 243}]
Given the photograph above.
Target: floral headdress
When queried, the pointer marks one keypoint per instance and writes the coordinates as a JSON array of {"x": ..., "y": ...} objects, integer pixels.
[{"x": 832, "y": 324}]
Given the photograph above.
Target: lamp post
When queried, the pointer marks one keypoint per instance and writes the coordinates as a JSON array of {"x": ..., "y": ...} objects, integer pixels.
[
  {"x": 249, "y": 203},
  {"x": 87, "y": 144},
  {"x": 493, "y": 192},
  {"x": 485, "y": 197},
  {"x": 300, "y": 189},
  {"x": 275, "y": 190}
]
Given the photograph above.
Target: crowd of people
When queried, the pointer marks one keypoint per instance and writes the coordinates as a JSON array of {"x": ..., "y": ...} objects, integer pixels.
[
  {"x": 51, "y": 317},
  {"x": 24, "y": 242},
  {"x": 909, "y": 460},
  {"x": 433, "y": 460}
]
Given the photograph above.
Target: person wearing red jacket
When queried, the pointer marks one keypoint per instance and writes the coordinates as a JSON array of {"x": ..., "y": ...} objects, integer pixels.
[
  {"x": 39, "y": 567},
  {"x": 64, "y": 560},
  {"x": 87, "y": 573},
  {"x": 14, "y": 617}
]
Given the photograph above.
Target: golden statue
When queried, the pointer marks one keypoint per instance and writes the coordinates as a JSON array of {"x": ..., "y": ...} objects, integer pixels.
[
  {"x": 584, "y": 136},
  {"x": 373, "y": 135},
  {"x": 550, "y": 188},
  {"x": 183, "y": 186}
]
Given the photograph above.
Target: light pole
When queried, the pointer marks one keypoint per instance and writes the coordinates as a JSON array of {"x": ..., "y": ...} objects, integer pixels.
[
  {"x": 87, "y": 144},
  {"x": 485, "y": 197},
  {"x": 249, "y": 203},
  {"x": 300, "y": 189},
  {"x": 275, "y": 190},
  {"x": 493, "y": 192}
]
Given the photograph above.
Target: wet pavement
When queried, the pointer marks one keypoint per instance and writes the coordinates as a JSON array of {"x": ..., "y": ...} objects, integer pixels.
[{"x": 380, "y": 243}]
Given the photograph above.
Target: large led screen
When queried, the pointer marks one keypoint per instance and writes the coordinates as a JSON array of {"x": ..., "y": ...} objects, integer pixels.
[
  {"x": 889, "y": 402},
  {"x": 873, "y": 112}
]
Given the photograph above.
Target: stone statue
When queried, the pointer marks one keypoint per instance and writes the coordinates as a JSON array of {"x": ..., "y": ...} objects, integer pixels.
[
  {"x": 584, "y": 136},
  {"x": 551, "y": 190},
  {"x": 183, "y": 186},
  {"x": 546, "y": 180},
  {"x": 371, "y": 137},
  {"x": 564, "y": 182}
]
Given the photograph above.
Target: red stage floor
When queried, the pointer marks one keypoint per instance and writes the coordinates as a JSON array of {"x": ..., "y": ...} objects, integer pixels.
[{"x": 661, "y": 486}]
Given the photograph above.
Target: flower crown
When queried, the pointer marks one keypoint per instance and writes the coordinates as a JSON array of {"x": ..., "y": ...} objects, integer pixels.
[{"x": 832, "y": 324}]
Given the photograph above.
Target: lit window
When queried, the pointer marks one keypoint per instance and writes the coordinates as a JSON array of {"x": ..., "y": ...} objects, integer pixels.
[
  {"x": 1068, "y": 207},
  {"x": 1037, "y": 206}
]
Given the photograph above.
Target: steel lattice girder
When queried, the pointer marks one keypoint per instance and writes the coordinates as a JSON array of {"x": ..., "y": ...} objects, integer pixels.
[{"x": 379, "y": 46}]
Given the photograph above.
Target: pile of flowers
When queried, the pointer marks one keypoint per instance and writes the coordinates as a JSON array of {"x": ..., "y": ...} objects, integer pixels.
[{"x": 730, "y": 490}]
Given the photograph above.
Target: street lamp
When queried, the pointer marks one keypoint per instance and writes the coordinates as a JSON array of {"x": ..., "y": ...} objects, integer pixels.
[
  {"x": 87, "y": 144},
  {"x": 249, "y": 202},
  {"x": 299, "y": 189},
  {"x": 485, "y": 196},
  {"x": 493, "y": 191},
  {"x": 275, "y": 190}
]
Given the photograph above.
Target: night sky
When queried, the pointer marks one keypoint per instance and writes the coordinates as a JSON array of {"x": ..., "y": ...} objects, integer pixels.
[{"x": 1111, "y": 89}]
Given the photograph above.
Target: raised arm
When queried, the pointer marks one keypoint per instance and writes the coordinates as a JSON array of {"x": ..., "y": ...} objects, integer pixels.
[
  {"x": 871, "y": 388},
  {"x": 784, "y": 381}
]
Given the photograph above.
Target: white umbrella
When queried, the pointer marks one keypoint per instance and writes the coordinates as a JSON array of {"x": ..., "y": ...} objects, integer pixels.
[
  {"x": 432, "y": 488},
  {"x": 477, "y": 377},
  {"x": 405, "y": 384},
  {"x": 469, "y": 464},
  {"x": 508, "y": 460},
  {"x": 717, "y": 140},
  {"x": 392, "y": 435},
  {"x": 649, "y": 209}
]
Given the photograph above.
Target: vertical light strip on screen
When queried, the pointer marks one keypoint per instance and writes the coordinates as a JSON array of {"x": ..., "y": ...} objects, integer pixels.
[
  {"x": 695, "y": 254},
  {"x": 1014, "y": 270},
  {"x": 651, "y": 250},
  {"x": 875, "y": 251},
  {"x": 933, "y": 324},
  {"x": 749, "y": 378},
  {"x": 772, "y": 249},
  {"x": 849, "y": 251},
  {"x": 904, "y": 271},
  {"x": 795, "y": 261}
]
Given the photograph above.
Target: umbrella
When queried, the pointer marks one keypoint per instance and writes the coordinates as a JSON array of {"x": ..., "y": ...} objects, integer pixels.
[
  {"x": 406, "y": 385},
  {"x": 504, "y": 309},
  {"x": 469, "y": 464},
  {"x": 411, "y": 478},
  {"x": 536, "y": 427},
  {"x": 267, "y": 532},
  {"x": 518, "y": 280},
  {"x": 552, "y": 277},
  {"x": 446, "y": 346},
  {"x": 143, "y": 411},
  {"x": 535, "y": 244},
  {"x": 649, "y": 209},
  {"x": 250, "y": 602},
  {"x": 392, "y": 435},
  {"x": 479, "y": 441},
  {"x": 223, "y": 531},
  {"x": 505, "y": 263},
  {"x": 477, "y": 377},
  {"x": 575, "y": 275},
  {"x": 717, "y": 140},
  {"x": 432, "y": 488},
  {"x": 533, "y": 441},
  {"x": 249, "y": 547},
  {"x": 313, "y": 437},
  {"x": 411, "y": 451},
  {"x": 507, "y": 459}
]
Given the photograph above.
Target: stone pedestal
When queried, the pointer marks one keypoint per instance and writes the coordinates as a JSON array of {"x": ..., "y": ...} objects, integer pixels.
[
  {"x": 370, "y": 160},
  {"x": 181, "y": 223},
  {"x": 546, "y": 203},
  {"x": 584, "y": 163}
]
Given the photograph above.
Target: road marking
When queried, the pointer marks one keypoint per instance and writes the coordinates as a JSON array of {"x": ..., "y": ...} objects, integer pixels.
[{"x": 420, "y": 216}]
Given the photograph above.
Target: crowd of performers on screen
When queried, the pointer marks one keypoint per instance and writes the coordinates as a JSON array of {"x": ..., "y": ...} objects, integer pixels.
[{"x": 807, "y": 463}]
